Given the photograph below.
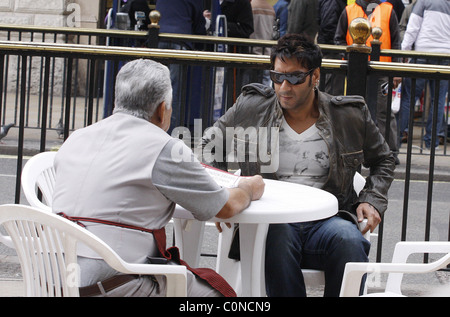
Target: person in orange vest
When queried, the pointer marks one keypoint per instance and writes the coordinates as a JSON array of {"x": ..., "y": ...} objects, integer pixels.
[{"x": 380, "y": 14}]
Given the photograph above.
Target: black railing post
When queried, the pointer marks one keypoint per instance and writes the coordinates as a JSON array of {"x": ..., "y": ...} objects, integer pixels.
[
  {"x": 372, "y": 79},
  {"x": 68, "y": 95},
  {"x": 358, "y": 55},
  {"x": 45, "y": 104},
  {"x": 2, "y": 73},
  {"x": 153, "y": 29},
  {"x": 23, "y": 89}
]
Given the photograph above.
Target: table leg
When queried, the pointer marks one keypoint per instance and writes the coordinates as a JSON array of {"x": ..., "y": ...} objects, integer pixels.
[
  {"x": 253, "y": 245},
  {"x": 188, "y": 239},
  {"x": 229, "y": 269}
]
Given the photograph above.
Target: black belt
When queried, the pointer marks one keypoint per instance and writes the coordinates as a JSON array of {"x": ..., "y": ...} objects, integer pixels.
[{"x": 108, "y": 285}]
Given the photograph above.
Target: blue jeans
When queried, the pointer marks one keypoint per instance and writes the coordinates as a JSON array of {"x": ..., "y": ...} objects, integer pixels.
[
  {"x": 324, "y": 245},
  {"x": 420, "y": 85}
]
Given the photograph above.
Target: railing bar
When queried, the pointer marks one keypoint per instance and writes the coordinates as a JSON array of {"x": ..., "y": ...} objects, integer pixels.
[
  {"x": 380, "y": 239},
  {"x": 21, "y": 128},
  {"x": 75, "y": 93},
  {"x": 2, "y": 68},
  {"x": 408, "y": 159},
  {"x": 75, "y": 89},
  {"x": 68, "y": 74},
  {"x": 431, "y": 166},
  {"x": 183, "y": 96},
  {"x": 91, "y": 91},
  {"x": 39, "y": 123},
  {"x": 17, "y": 82},
  {"x": 28, "y": 92},
  {"x": 45, "y": 103},
  {"x": 64, "y": 87}
]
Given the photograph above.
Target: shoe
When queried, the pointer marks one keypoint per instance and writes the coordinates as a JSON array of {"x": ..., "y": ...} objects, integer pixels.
[
  {"x": 427, "y": 150},
  {"x": 404, "y": 137}
]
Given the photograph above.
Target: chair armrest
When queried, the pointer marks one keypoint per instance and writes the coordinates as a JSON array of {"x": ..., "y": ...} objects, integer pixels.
[
  {"x": 404, "y": 249},
  {"x": 176, "y": 280},
  {"x": 354, "y": 271}
]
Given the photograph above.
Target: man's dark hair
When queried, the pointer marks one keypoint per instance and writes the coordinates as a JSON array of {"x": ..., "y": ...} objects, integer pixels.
[{"x": 307, "y": 53}]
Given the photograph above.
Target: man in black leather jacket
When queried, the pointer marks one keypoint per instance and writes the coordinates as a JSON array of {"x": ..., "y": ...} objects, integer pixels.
[{"x": 334, "y": 136}]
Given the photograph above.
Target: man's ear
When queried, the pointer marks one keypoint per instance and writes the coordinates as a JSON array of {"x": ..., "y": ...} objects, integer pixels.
[
  {"x": 316, "y": 75},
  {"x": 158, "y": 117}
]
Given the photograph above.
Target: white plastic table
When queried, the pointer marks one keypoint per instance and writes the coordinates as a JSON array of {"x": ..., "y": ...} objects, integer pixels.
[{"x": 282, "y": 202}]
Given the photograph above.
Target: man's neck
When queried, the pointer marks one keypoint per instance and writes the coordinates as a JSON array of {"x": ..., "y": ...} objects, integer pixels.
[{"x": 300, "y": 119}]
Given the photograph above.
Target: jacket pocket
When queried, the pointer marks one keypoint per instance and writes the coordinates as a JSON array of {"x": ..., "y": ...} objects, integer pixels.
[{"x": 352, "y": 160}]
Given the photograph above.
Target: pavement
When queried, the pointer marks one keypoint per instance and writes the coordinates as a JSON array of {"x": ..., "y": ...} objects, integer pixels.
[{"x": 11, "y": 284}]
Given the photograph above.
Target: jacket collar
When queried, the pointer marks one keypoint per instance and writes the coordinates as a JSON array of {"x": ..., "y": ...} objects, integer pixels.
[{"x": 323, "y": 102}]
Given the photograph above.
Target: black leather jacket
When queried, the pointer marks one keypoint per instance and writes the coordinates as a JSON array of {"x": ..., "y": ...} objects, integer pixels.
[{"x": 345, "y": 125}]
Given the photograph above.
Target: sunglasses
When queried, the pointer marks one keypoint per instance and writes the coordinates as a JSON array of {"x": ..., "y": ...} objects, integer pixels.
[{"x": 294, "y": 78}]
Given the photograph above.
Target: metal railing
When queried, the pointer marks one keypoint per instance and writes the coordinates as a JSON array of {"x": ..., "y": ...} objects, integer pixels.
[
  {"x": 105, "y": 73},
  {"x": 65, "y": 61}
]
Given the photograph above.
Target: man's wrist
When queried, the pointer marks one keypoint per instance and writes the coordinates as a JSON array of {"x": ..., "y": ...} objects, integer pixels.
[{"x": 246, "y": 187}]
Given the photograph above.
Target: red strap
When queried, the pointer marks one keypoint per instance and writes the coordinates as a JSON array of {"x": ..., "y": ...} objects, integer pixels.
[
  {"x": 209, "y": 275},
  {"x": 79, "y": 221}
]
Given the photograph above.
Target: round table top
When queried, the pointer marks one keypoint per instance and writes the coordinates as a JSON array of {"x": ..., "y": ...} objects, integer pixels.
[{"x": 282, "y": 202}]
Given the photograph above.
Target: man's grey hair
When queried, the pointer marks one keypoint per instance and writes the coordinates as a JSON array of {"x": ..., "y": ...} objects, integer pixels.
[{"x": 141, "y": 86}]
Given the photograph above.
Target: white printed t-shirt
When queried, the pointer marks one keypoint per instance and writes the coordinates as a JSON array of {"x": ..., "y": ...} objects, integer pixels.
[{"x": 304, "y": 157}]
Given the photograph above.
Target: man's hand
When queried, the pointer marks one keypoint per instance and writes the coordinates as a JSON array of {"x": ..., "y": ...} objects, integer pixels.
[
  {"x": 256, "y": 186},
  {"x": 219, "y": 226},
  {"x": 366, "y": 210},
  {"x": 248, "y": 189}
]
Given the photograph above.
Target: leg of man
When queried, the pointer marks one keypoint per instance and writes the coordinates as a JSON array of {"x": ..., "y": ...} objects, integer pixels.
[
  {"x": 282, "y": 267},
  {"x": 443, "y": 86},
  {"x": 329, "y": 245}
]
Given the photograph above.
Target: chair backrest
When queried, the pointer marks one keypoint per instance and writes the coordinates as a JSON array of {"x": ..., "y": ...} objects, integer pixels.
[
  {"x": 46, "y": 245},
  {"x": 39, "y": 173}
]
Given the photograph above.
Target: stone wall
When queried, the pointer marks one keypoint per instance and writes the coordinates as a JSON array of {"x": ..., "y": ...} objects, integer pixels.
[
  {"x": 34, "y": 12},
  {"x": 54, "y": 13}
]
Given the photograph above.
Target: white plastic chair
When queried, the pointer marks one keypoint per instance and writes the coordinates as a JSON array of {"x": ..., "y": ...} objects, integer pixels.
[
  {"x": 354, "y": 271},
  {"x": 38, "y": 173},
  {"x": 46, "y": 245}
]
